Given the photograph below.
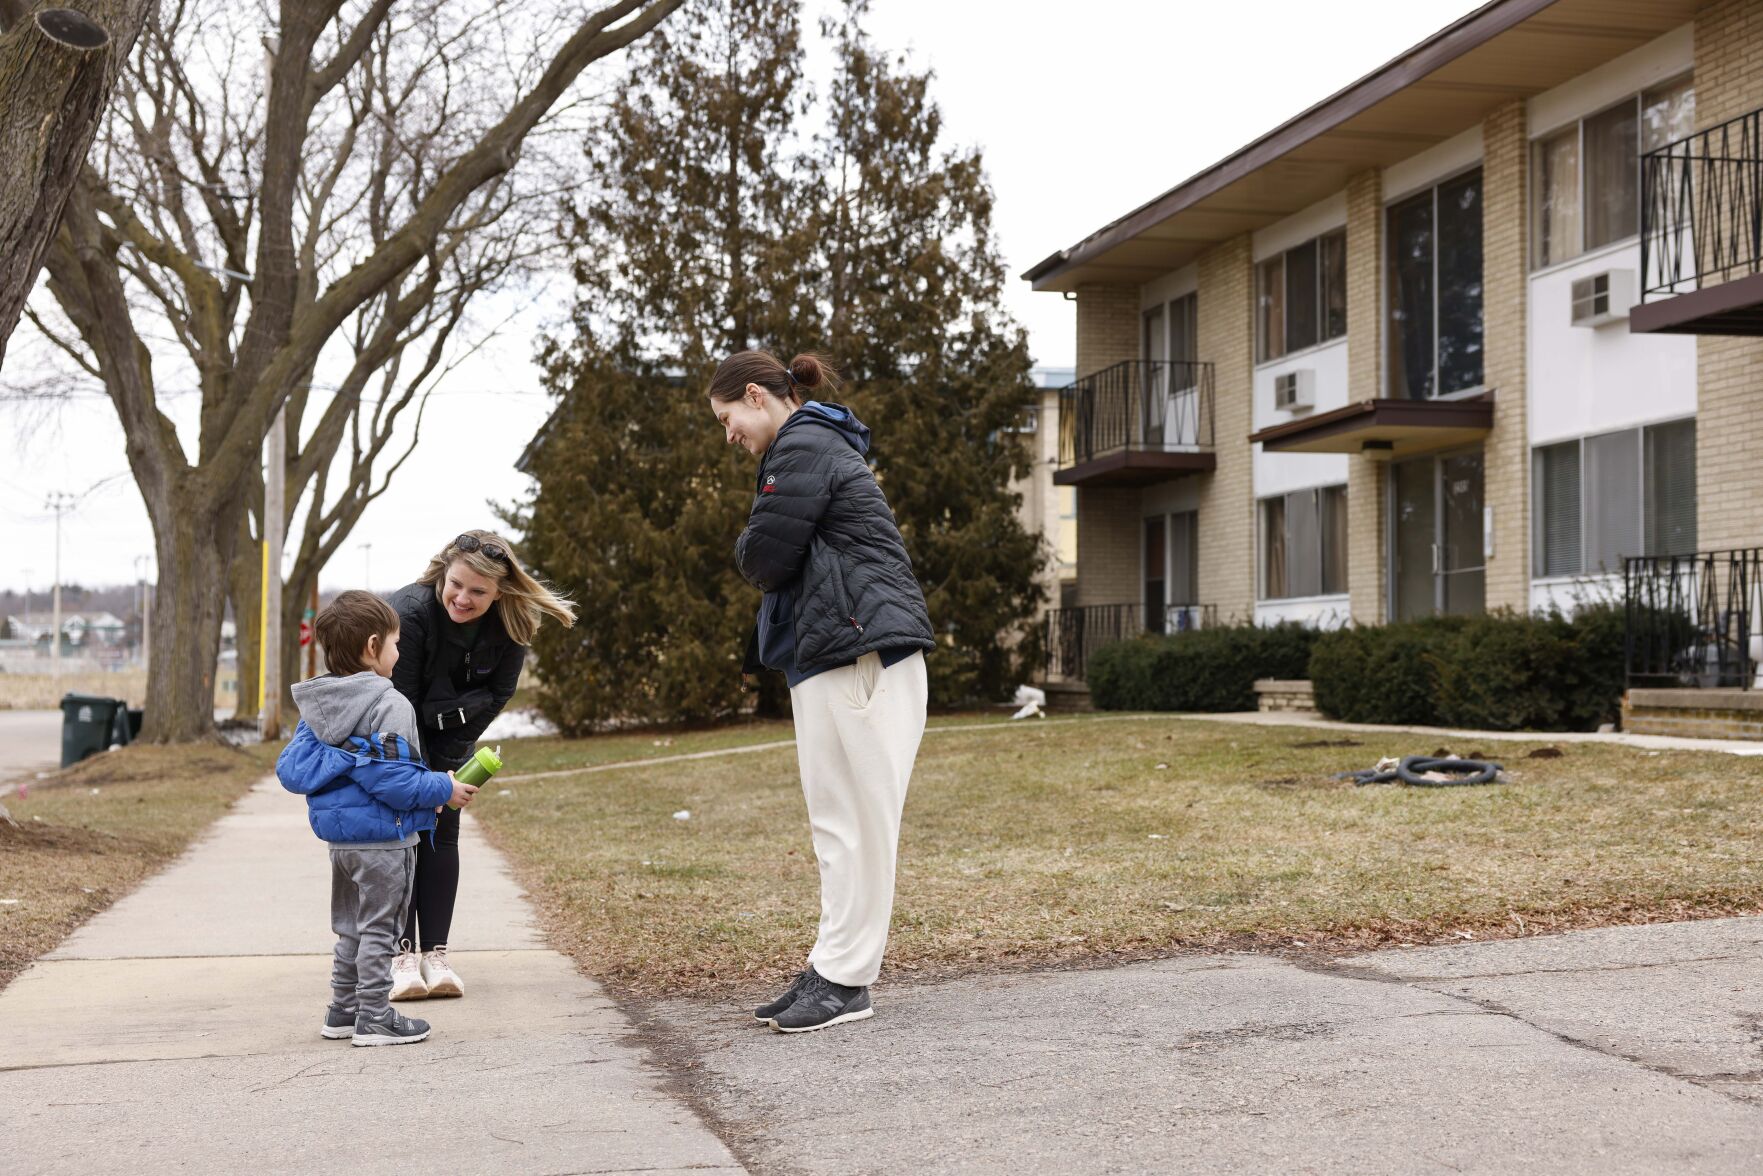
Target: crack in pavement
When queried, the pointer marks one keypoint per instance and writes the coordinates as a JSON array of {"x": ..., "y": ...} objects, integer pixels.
[{"x": 1367, "y": 974}]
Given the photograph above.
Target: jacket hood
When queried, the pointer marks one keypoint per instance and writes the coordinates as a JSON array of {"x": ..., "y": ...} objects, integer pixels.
[
  {"x": 335, "y": 706},
  {"x": 833, "y": 416}
]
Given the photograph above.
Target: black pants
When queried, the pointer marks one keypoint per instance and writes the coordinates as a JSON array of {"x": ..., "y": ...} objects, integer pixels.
[{"x": 437, "y": 884}]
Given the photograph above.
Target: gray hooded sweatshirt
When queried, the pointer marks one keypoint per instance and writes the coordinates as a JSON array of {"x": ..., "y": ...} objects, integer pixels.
[{"x": 339, "y": 707}]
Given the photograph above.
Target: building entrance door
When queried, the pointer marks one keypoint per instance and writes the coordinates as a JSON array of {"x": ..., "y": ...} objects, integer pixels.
[{"x": 1436, "y": 537}]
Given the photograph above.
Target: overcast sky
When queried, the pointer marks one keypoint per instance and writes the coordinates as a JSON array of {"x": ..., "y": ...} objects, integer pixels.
[{"x": 1083, "y": 112}]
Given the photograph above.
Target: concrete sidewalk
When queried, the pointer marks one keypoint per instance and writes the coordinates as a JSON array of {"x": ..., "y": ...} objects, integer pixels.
[
  {"x": 178, "y": 1032},
  {"x": 1626, "y": 1050}
]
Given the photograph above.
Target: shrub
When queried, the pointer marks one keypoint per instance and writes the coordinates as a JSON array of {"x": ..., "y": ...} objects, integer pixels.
[
  {"x": 1382, "y": 673},
  {"x": 1500, "y": 672},
  {"x": 1203, "y": 670}
]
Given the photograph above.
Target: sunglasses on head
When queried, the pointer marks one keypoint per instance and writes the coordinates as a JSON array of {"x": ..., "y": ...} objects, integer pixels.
[{"x": 469, "y": 543}]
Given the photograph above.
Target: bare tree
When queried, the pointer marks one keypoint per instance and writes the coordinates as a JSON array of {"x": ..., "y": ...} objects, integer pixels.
[
  {"x": 57, "y": 67},
  {"x": 356, "y": 199}
]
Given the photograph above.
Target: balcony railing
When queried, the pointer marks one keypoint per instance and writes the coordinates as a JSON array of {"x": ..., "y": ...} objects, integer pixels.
[
  {"x": 1702, "y": 208},
  {"x": 1693, "y": 619},
  {"x": 1073, "y": 634},
  {"x": 1158, "y": 406}
]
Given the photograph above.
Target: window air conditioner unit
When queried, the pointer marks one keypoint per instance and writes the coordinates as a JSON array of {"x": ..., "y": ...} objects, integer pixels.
[
  {"x": 1603, "y": 298},
  {"x": 1295, "y": 391}
]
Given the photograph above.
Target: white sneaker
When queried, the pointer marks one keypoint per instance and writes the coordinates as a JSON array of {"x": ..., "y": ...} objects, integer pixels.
[
  {"x": 407, "y": 978},
  {"x": 438, "y": 975}
]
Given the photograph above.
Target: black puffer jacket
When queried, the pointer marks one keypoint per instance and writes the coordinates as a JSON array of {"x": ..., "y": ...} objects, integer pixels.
[
  {"x": 821, "y": 528},
  {"x": 456, "y": 688}
]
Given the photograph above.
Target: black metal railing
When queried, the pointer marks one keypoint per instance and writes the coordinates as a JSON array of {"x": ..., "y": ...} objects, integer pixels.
[
  {"x": 1692, "y": 618},
  {"x": 1157, "y": 405},
  {"x": 1702, "y": 208},
  {"x": 1073, "y": 634}
]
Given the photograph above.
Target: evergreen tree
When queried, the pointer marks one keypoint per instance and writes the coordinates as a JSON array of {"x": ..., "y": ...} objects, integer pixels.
[{"x": 725, "y": 224}]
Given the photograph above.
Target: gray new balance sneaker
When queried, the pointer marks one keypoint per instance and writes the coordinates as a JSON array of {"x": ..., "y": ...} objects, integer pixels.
[
  {"x": 389, "y": 1028},
  {"x": 766, "y": 1012},
  {"x": 822, "y": 1003},
  {"x": 338, "y": 1023}
]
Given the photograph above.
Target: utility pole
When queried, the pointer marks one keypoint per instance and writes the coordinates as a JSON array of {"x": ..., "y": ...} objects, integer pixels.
[
  {"x": 269, "y": 650},
  {"x": 146, "y": 610},
  {"x": 60, "y": 502},
  {"x": 367, "y": 575}
]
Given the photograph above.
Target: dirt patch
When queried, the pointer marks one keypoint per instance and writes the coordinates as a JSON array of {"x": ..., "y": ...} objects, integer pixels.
[
  {"x": 1314, "y": 743},
  {"x": 87, "y": 836}
]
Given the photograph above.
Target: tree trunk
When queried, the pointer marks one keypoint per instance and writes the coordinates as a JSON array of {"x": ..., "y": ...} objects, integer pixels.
[
  {"x": 57, "y": 67},
  {"x": 195, "y": 550}
]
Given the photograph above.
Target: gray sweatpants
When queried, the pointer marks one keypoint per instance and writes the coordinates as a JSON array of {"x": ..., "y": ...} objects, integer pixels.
[{"x": 370, "y": 891}]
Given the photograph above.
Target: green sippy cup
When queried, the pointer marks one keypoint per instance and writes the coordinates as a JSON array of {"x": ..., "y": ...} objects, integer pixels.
[{"x": 477, "y": 770}]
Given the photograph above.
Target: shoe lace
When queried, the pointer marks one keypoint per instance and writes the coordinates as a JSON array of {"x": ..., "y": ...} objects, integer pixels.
[
  {"x": 439, "y": 954},
  {"x": 406, "y": 961}
]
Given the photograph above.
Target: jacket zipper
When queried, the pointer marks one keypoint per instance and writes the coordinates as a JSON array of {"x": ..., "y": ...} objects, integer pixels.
[{"x": 854, "y": 624}]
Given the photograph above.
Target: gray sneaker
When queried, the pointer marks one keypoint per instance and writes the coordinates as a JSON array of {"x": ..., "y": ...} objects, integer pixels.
[
  {"x": 765, "y": 1012},
  {"x": 821, "y": 1004},
  {"x": 389, "y": 1028},
  {"x": 338, "y": 1023}
]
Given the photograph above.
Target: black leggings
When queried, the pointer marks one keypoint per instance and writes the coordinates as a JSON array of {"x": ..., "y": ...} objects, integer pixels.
[{"x": 437, "y": 884}]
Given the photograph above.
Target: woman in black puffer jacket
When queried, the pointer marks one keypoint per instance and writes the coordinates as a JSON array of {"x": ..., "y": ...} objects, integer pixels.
[
  {"x": 464, "y": 630},
  {"x": 843, "y": 617}
]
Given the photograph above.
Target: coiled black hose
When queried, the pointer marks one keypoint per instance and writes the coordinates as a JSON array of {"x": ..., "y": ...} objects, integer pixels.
[{"x": 1411, "y": 770}]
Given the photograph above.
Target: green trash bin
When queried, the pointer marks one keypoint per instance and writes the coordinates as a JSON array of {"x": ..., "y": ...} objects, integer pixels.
[{"x": 88, "y": 725}]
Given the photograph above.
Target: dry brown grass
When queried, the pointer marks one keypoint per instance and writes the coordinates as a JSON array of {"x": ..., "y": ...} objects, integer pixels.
[
  {"x": 41, "y": 691},
  {"x": 96, "y": 831},
  {"x": 1031, "y": 845}
]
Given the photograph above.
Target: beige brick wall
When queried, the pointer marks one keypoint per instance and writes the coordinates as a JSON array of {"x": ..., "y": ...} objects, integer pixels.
[
  {"x": 1729, "y": 372},
  {"x": 1107, "y": 327},
  {"x": 1506, "y": 454},
  {"x": 1367, "y": 494},
  {"x": 1107, "y": 519},
  {"x": 1108, "y": 536},
  {"x": 1227, "y": 506}
]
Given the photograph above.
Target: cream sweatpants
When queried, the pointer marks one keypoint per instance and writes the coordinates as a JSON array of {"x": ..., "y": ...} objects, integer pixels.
[{"x": 857, "y": 733}]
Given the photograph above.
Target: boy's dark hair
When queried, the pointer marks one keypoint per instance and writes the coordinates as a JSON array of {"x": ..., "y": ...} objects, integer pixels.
[{"x": 344, "y": 625}]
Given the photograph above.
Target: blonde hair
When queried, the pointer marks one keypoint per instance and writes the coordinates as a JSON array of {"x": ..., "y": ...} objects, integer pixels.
[{"x": 524, "y": 600}]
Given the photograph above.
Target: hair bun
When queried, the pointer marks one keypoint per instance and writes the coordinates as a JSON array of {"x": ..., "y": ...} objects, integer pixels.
[{"x": 806, "y": 371}]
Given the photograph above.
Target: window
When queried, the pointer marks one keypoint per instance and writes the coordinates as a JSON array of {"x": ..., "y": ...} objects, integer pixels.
[
  {"x": 1602, "y": 498},
  {"x": 1301, "y": 296},
  {"x": 1184, "y": 329},
  {"x": 1304, "y": 543},
  {"x": 1586, "y": 177},
  {"x": 1172, "y": 567},
  {"x": 1435, "y": 290},
  {"x": 1184, "y": 557},
  {"x": 1156, "y": 569}
]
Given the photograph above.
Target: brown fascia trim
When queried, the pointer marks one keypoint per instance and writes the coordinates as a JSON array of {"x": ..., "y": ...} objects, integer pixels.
[
  {"x": 1474, "y": 413},
  {"x": 1680, "y": 313},
  {"x": 1440, "y": 49}
]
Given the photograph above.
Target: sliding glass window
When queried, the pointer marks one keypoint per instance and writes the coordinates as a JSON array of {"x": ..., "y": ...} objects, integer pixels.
[
  {"x": 1301, "y": 297},
  {"x": 1600, "y": 499},
  {"x": 1585, "y": 177},
  {"x": 1435, "y": 291}
]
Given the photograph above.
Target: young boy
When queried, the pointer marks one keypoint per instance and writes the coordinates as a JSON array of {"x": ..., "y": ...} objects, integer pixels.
[{"x": 368, "y": 794}]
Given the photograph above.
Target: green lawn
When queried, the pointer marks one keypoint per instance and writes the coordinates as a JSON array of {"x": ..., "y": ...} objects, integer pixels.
[
  {"x": 96, "y": 833},
  {"x": 1094, "y": 839}
]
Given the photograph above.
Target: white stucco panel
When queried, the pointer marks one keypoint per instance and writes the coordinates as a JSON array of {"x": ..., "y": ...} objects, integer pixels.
[{"x": 1585, "y": 380}]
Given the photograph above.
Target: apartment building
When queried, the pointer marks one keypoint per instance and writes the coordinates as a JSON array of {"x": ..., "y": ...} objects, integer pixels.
[
  {"x": 1049, "y": 509},
  {"x": 1441, "y": 343}
]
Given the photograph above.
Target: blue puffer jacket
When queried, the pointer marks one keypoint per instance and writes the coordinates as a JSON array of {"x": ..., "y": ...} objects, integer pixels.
[{"x": 373, "y": 788}]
